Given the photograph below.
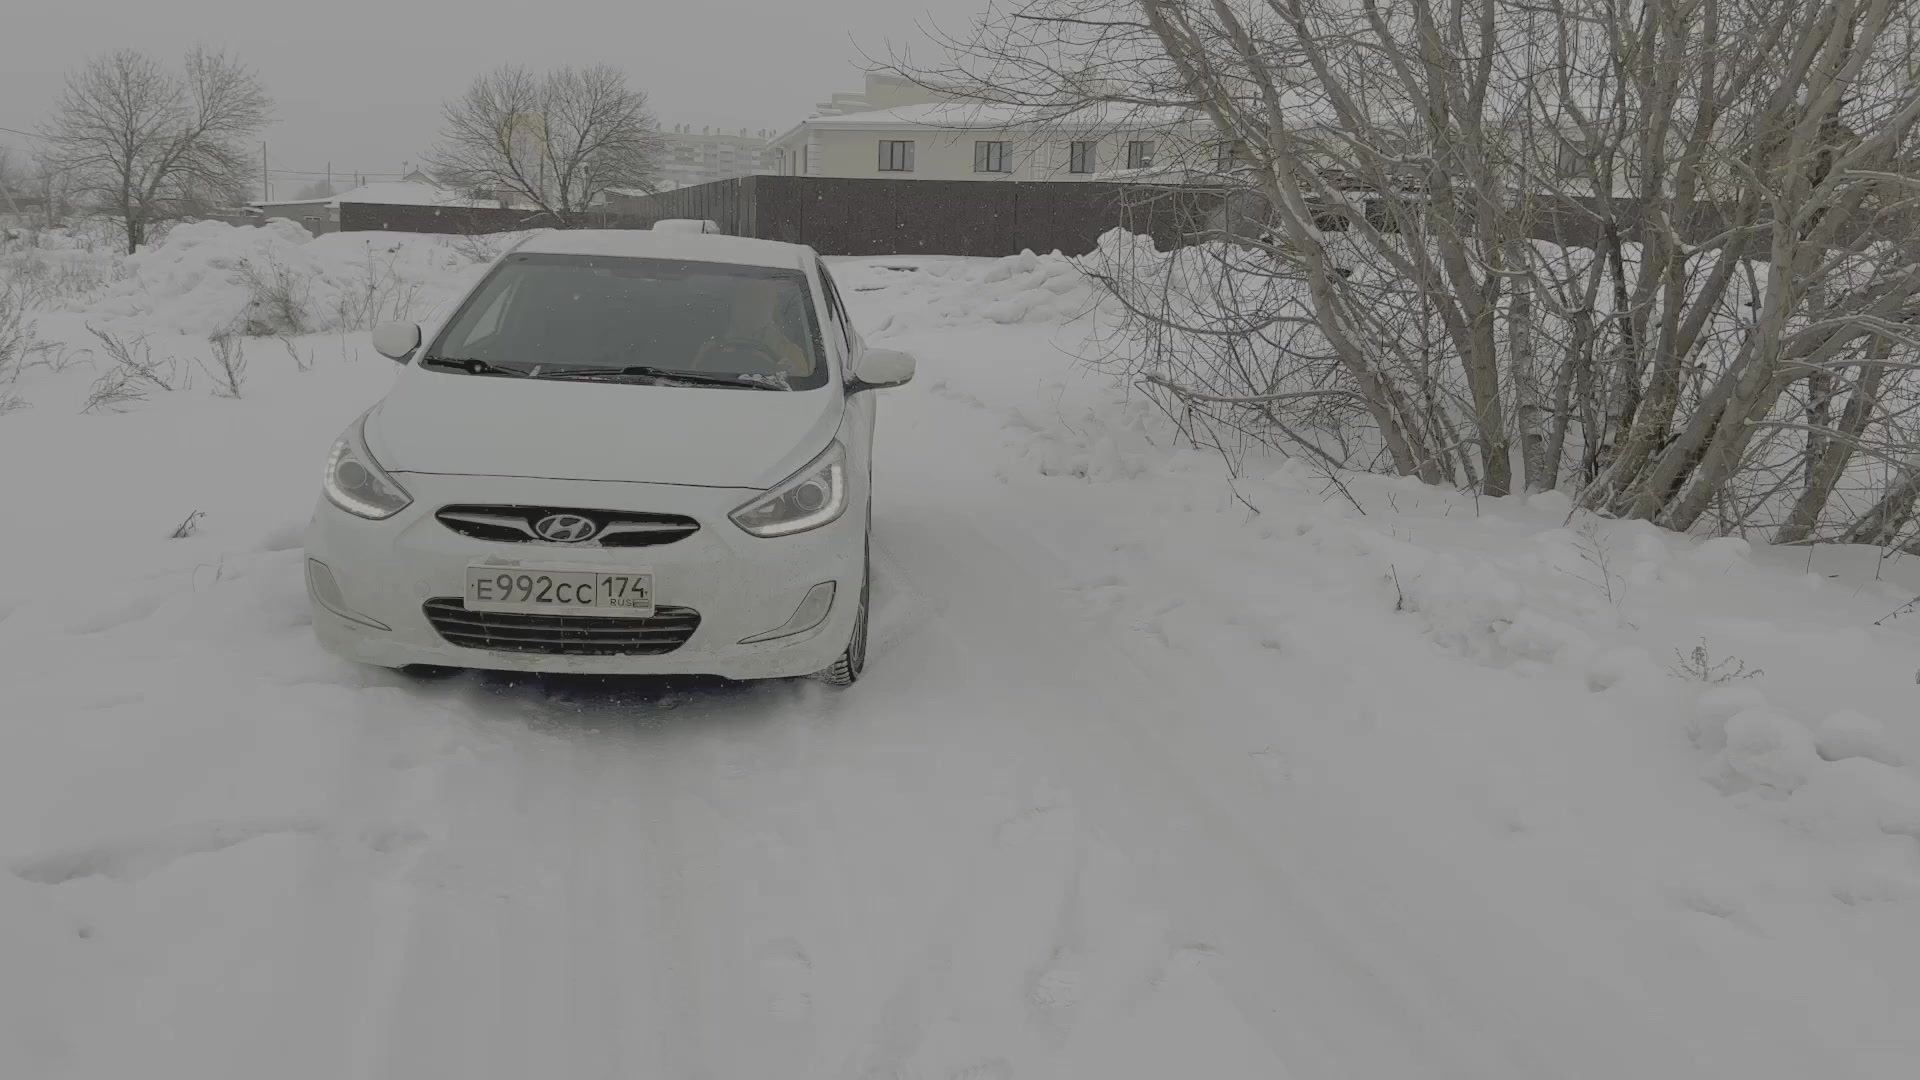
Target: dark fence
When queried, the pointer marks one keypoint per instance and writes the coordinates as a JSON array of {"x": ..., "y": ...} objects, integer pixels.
[
  {"x": 934, "y": 217},
  {"x": 463, "y": 220},
  {"x": 992, "y": 218}
]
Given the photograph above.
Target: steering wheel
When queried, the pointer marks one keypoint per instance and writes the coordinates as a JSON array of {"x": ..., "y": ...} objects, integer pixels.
[{"x": 723, "y": 345}]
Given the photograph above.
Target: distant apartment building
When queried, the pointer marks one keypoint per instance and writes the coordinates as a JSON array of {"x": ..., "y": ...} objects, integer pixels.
[{"x": 708, "y": 154}]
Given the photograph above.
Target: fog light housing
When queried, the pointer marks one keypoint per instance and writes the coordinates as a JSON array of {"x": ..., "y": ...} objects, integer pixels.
[
  {"x": 326, "y": 592},
  {"x": 811, "y": 613}
]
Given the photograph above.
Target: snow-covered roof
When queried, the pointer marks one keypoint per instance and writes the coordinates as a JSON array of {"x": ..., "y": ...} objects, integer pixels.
[
  {"x": 646, "y": 244},
  {"x": 406, "y": 193},
  {"x": 973, "y": 115},
  {"x": 969, "y": 114},
  {"x": 389, "y": 193}
]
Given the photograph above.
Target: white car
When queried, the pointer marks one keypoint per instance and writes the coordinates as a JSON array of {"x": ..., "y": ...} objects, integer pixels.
[{"x": 621, "y": 452}]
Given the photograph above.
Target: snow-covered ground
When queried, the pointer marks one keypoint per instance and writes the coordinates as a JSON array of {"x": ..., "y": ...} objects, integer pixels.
[{"x": 1150, "y": 776}]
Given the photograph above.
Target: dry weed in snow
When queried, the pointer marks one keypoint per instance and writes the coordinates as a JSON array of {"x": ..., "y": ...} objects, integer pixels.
[
  {"x": 301, "y": 361},
  {"x": 229, "y": 368},
  {"x": 131, "y": 372},
  {"x": 1699, "y": 665},
  {"x": 277, "y": 297}
]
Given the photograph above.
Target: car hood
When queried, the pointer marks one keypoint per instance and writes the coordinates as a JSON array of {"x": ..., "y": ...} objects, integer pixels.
[{"x": 475, "y": 425}]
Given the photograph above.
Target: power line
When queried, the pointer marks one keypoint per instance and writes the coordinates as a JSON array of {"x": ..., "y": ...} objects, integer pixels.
[
  {"x": 298, "y": 174},
  {"x": 322, "y": 173}
]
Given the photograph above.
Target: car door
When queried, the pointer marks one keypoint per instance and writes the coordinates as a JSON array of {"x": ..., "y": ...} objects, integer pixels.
[{"x": 845, "y": 340}]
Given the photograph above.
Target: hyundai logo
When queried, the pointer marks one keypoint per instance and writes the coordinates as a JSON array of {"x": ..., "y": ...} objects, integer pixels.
[{"x": 565, "y": 528}]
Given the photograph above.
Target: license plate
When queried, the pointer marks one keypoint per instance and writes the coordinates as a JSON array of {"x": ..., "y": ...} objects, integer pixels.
[{"x": 532, "y": 590}]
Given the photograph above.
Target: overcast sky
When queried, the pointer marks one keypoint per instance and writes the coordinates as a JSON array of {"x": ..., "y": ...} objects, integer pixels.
[{"x": 359, "y": 83}]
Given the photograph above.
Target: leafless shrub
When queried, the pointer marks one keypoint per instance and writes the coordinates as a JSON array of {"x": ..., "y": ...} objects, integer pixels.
[
  {"x": 187, "y": 527},
  {"x": 381, "y": 295},
  {"x": 56, "y": 357},
  {"x": 229, "y": 369},
  {"x": 1698, "y": 665},
  {"x": 41, "y": 282},
  {"x": 277, "y": 298},
  {"x": 113, "y": 391},
  {"x": 301, "y": 362},
  {"x": 1597, "y": 553},
  {"x": 135, "y": 357},
  {"x": 479, "y": 247},
  {"x": 1660, "y": 258},
  {"x": 17, "y": 338},
  {"x": 131, "y": 373}
]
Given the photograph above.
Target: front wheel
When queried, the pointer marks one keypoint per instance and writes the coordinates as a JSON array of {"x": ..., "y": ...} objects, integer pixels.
[{"x": 846, "y": 670}]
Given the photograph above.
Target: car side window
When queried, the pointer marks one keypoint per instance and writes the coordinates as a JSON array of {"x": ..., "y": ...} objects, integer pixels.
[{"x": 837, "y": 310}]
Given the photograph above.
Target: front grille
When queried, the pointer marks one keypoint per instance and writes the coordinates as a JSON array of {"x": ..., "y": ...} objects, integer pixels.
[
  {"x": 568, "y": 635},
  {"x": 612, "y": 528}
]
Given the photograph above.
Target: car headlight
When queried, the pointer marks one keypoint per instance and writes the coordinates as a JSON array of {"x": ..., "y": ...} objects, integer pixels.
[
  {"x": 356, "y": 483},
  {"x": 810, "y": 498}
]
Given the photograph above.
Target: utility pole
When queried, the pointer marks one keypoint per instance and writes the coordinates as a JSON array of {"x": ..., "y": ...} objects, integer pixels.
[
  {"x": 329, "y": 179},
  {"x": 266, "y": 185}
]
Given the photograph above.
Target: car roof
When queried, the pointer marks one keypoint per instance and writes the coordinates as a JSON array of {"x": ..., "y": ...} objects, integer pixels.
[{"x": 647, "y": 244}]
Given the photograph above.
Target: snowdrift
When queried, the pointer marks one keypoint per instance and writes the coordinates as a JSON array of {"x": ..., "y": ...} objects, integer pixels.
[
  {"x": 936, "y": 292},
  {"x": 209, "y": 277}
]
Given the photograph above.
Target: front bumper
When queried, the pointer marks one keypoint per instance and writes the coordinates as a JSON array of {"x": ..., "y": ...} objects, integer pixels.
[{"x": 742, "y": 586}]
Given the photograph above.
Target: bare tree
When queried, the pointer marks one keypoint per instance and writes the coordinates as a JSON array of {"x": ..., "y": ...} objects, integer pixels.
[
  {"x": 1654, "y": 249},
  {"x": 319, "y": 189},
  {"x": 13, "y": 181},
  {"x": 49, "y": 185},
  {"x": 150, "y": 145},
  {"x": 556, "y": 140}
]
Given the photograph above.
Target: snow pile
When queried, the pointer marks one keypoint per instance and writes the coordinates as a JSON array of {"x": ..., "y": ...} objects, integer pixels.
[
  {"x": 209, "y": 277},
  {"x": 1644, "y": 616},
  {"x": 1019, "y": 289}
]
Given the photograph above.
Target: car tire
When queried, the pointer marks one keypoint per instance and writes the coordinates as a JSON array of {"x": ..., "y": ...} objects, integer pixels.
[{"x": 853, "y": 659}]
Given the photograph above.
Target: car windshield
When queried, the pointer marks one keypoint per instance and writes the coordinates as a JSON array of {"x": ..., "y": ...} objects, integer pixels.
[{"x": 589, "y": 316}]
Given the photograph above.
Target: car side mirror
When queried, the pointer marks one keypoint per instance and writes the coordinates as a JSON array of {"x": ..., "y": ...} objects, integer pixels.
[
  {"x": 396, "y": 340},
  {"x": 881, "y": 368}
]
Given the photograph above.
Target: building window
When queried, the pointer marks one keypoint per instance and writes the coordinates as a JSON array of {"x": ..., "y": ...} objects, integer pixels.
[
  {"x": 1140, "y": 154},
  {"x": 990, "y": 157},
  {"x": 1225, "y": 158},
  {"x": 1080, "y": 157},
  {"x": 1572, "y": 161},
  {"x": 896, "y": 155}
]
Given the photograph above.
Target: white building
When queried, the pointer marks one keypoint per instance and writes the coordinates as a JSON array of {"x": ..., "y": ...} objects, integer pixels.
[
  {"x": 899, "y": 130},
  {"x": 703, "y": 156}
]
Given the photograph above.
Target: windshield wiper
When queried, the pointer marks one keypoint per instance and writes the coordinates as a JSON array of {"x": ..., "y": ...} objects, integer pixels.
[
  {"x": 470, "y": 365},
  {"x": 651, "y": 374}
]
